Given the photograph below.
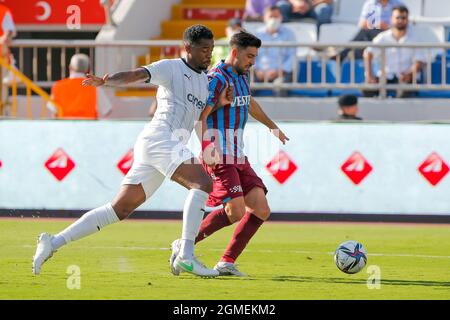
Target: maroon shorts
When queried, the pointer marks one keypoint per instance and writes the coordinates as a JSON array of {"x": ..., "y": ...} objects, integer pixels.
[{"x": 231, "y": 181}]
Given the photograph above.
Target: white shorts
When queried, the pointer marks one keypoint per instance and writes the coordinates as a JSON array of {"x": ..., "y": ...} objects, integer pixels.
[{"x": 156, "y": 156}]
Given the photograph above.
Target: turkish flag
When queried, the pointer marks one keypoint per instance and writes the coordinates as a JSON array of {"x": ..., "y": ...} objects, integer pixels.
[{"x": 54, "y": 11}]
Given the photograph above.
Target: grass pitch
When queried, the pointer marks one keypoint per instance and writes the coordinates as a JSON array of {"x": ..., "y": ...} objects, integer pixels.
[{"x": 284, "y": 260}]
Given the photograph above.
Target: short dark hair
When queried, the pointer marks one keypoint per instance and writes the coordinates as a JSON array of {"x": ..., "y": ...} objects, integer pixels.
[
  {"x": 272, "y": 8},
  {"x": 401, "y": 9},
  {"x": 347, "y": 100},
  {"x": 194, "y": 34},
  {"x": 243, "y": 40}
]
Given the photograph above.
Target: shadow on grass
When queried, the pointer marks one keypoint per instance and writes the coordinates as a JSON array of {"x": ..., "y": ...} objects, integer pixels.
[
  {"x": 392, "y": 282},
  {"x": 362, "y": 281}
]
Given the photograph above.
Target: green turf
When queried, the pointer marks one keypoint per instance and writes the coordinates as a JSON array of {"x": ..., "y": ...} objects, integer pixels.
[{"x": 285, "y": 261}]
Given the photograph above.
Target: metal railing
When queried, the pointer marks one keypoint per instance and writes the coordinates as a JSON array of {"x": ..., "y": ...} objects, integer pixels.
[
  {"x": 43, "y": 57},
  {"x": 18, "y": 78}
]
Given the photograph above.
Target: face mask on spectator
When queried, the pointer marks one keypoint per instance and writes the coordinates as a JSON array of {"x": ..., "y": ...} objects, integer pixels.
[{"x": 273, "y": 24}]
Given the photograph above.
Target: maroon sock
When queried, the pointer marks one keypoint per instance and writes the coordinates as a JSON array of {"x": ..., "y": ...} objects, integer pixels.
[
  {"x": 214, "y": 221},
  {"x": 244, "y": 231}
]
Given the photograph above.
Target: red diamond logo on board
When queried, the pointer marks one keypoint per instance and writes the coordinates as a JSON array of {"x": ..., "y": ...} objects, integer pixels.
[
  {"x": 434, "y": 169},
  {"x": 281, "y": 167},
  {"x": 356, "y": 168},
  {"x": 126, "y": 162},
  {"x": 59, "y": 164}
]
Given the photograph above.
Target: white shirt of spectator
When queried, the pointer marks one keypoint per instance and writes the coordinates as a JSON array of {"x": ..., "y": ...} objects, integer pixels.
[
  {"x": 8, "y": 24},
  {"x": 398, "y": 60},
  {"x": 182, "y": 94}
]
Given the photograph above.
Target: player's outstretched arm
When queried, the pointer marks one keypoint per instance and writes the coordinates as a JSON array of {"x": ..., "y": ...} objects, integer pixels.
[
  {"x": 117, "y": 79},
  {"x": 258, "y": 113}
]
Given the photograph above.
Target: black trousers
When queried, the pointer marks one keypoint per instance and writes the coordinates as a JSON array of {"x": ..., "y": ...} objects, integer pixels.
[
  {"x": 404, "y": 94},
  {"x": 363, "y": 35}
]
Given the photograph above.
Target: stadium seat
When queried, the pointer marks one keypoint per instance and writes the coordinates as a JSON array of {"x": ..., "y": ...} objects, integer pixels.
[
  {"x": 252, "y": 27},
  {"x": 430, "y": 34},
  {"x": 337, "y": 32},
  {"x": 414, "y": 7},
  {"x": 305, "y": 33},
  {"x": 436, "y": 78},
  {"x": 346, "y": 77},
  {"x": 436, "y": 8},
  {"x": 436, "y": 72},
  {"x": 348, "y": 11},
  {"x": 316, "y": 77},
  {"x": 207, "y": 11}
]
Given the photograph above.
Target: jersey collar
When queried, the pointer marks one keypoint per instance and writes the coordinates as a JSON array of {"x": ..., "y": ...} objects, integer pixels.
[
  {"x": 187, "y": 64},
  {"x": 228, "y": 68}
]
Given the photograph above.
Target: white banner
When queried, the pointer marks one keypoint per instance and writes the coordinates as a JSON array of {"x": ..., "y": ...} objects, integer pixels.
[{"x": 324, "y": 168}]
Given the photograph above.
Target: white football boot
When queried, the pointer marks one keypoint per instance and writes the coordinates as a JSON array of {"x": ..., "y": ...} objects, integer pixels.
[
  {"x": 194, "y": 266},
  {"x": 228, "y": 269},
  {"x": 176, "y": 244},
  {"x": 44, "y": 251}
]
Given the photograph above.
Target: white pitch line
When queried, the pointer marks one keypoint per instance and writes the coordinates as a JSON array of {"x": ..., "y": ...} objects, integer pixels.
[{"x": 400, "y": 255}]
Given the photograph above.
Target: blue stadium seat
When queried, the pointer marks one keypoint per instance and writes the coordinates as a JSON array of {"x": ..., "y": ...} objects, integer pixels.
[
  {"x": 316, "y": 77},
  {"x": 436, "y": 78},
  {"x": 262, "y": 93},
  {"x": 346, "y": 78}
]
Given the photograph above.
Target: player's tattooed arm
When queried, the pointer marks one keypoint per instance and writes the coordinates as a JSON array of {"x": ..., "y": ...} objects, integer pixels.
[
  {"x": 118, "y": 78},
  {"x": 258, "y": 114}
]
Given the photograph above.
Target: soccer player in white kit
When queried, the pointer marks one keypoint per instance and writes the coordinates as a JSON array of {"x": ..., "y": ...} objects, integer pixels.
[{"x": 181, "y": 96}]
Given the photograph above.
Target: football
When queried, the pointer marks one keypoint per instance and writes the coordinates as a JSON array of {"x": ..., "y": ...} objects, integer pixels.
[{"x": 350, "y": 257}]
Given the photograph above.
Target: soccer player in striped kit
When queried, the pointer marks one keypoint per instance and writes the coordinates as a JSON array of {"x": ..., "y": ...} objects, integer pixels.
[{"x": 236, "y": 186}]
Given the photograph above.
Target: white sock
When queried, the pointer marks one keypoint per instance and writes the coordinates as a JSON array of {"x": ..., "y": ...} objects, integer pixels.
[
  {"x": 89, "y": 223},
  {"x": 193, "y": 212}
]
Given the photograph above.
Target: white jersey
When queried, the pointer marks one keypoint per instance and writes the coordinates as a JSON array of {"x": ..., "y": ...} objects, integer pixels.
[{"x": 182, "y": 94}]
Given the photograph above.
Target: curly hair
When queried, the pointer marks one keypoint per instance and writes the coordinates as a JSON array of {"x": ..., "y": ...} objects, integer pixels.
[{"x": 194, "y": 34}]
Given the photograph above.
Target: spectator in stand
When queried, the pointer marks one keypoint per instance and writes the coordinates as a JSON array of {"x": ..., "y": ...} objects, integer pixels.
[
  {"x": 76, "y": 101},
  {"x": 254, "y": 9},
  {"x": 107, "y": 5},
  {"x": 274, "y": 64},
  {"x": 402, "y": 64},
  {"x": 7, "y": 30},
  {"x": 7, "y": 33},
  {"x": 348, "y": 108},
  {"x": 318, "y": 10},
  {"x": 221, "y": 52},
  {"x": 375, "y": 18}
]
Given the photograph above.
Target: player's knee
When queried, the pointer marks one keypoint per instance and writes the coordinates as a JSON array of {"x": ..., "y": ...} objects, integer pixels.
[
  {"x": 263, "y": 212},
  {"x": 122, "y": 211},
  {"x": 235, "y": 214}
]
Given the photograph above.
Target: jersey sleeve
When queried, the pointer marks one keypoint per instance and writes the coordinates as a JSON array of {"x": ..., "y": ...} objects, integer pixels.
[
  {"x": 160, "y": 72},
  {"x": 216, "y": 85}
]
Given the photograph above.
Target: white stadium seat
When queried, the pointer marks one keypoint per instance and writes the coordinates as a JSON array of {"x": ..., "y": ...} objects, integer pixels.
[
  {"x": 430, "y": 34},
  {"x": 347, "y": 10},
  {"x": 337, "y": 32},
  {"x": 304, "y": 33},
  {"x": 436, "y": 8},
  {"x": 252, "y": 27},
  {"x": 414, "y": 7}
]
